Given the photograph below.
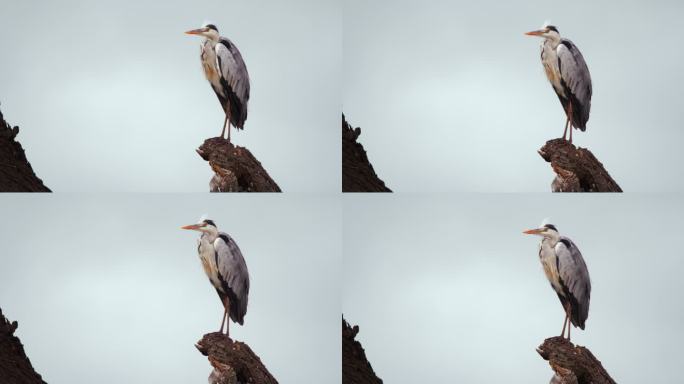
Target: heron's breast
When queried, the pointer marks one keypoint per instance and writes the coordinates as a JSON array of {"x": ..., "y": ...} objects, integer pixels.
[
  {"x": 206, "y": 266},
  {"x": 549, "y": 264},
  {"x": 209, "y": 71},
  {"x": 206, "y": 255},
  {"x": 209, "y": 66},
  {"x": 554, "y": 77}
]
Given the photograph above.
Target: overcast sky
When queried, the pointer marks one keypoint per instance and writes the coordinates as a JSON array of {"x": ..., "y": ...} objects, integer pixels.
[
  {"x": 111, "y": 290},
  {"x": 110, "y": 95},
  {"x": 451, "y": 96},
  {"x": 450, "y": 290}
]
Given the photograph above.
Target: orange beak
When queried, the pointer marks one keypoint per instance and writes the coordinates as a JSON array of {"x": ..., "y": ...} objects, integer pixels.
[
  {"x": 195, "y": 31},
  {"x": 535, "y": 33},
  {"x": 193, "y": 227},
  {"x": 532, "y": 231}
]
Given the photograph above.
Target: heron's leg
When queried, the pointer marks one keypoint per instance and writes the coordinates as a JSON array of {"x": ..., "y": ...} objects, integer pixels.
[
  {"x": 226, "y": 305},
  {"x": 570, "y": 121},
  {"x": 228, "y": 120},
  {"x": 225, "y": 313},
  {"x": 565, "y": 132},
  {"x": 564, "y": 323},
  {"x": 224, "y": 126},
  {"x": 569, "y": 326}
]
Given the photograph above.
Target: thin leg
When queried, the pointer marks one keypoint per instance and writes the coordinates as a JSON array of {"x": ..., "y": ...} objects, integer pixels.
[
  {"x": 564, "y": 323},
  {"x": 225, "y": 313},
  {"x": 569, "y": 326},
  {"x": 565, "y": 132},
  {"x": 224, "y": 127},
  {"x": 226, "y": 305},
  {"x": 570, "y": 119},
  {"x": 228, "y": 120}
]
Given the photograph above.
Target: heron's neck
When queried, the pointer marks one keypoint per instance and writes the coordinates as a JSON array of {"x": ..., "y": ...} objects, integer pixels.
[
  {"x": 209, "y": 237},
  {"x": 551, "y": 42},
  {"x": 550, "y": 241},
  {"x": 211, "y": 41}
]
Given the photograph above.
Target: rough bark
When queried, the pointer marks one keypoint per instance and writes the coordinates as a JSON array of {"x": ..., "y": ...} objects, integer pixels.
[
  {"x": 355, "y": 367},
  {"x": 235, "y": 168},
  {"x": 357, "y": 172},
  {"x": 15, "y": 367},
  {"x": 233, "y": 361},
  {"x": 16, "y": 174},
  {"x": 577, "y": 169},
  {"x": 572, "y": 364}
]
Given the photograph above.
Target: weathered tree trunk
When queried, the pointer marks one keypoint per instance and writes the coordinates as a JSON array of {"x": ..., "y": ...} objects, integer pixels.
[
  {"x": 233, "y": 361},
  {"x": 577, "y": 169},
  {"x": 15, "y": 367},
  {"x": 16, "y": 174},
  {"x": 572, "y": 364},
  {"x": 357, "y": 172},
  {"x": 355, "y": 367},
  {"x": 235, "y": 168}
]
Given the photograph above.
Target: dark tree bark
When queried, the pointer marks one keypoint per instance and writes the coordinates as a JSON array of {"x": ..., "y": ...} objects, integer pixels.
[
  {"x": 15, "y": 367},
  {"x": 235, "y": 168},
  {"x": 572, "y": 364},
  {"x": 577, "y": 169},
  {"x": 233, "y": 361},
  {"x": 357, "y": 172},
  {"x": 355, "y": 367},
  {"x": 16, "y": 174}
]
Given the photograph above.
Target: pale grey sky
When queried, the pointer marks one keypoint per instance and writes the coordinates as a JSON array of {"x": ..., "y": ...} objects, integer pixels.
[
  {"x": 109, "y": 289},
  {"x": 451, "y": 96},
  {"x": 110, "y": 95},
  {"x": 448, "y": 289}
]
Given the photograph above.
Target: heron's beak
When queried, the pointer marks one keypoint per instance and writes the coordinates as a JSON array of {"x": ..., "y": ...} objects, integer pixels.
[
  {"x": 196, "y": 31},
  {"x": 535, "y": 33},
  {"x": 193, "y": 227},
  {"x": 535, "y": 231}
]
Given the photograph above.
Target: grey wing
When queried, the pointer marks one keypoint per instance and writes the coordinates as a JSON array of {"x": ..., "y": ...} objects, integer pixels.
[
  {"x": 234, "y": 275},
  {"x": 575, "y": 75},
  {"x": 575, "y": 277},
  {"x": 233, "y": 69}
]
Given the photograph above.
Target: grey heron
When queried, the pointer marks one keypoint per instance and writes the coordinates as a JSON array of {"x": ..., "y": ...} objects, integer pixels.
[
  {"x": 567, "y": 272},
  {"x": 226, "y": 269},
  {"x": 569, "y": 75},
  {"x": 226, "y": 71}
]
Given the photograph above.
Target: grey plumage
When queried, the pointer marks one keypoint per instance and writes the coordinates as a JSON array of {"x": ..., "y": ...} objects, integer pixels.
[
  {"x": 232, "y": 271},
  {"x": 574, "y": 277},
  {"x": 234, "y": 91},
  {"x": 576, "y": 81}
]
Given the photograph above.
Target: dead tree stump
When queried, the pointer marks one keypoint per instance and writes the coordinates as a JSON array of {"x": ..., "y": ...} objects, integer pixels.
[
  {"x": 572, "y": 364},
  {"x": 577, "y": 169},
  {"x": 233, "y": 361},
  {"x": 16, "y": 173},
  {"x": 235, "y": 168},
  {"x": 355, "y": 367},
  {"x": 15, "y": 366},
  {"x": 357, "y": 172}
]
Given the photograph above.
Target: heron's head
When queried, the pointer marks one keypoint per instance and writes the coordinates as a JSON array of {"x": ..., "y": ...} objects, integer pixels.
[
  {"x": 205, "y": 226},
  {"x": 548, "y": 32},
  {"x": 548, "y": 231},
  {"x": 208, "y": 30}
]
